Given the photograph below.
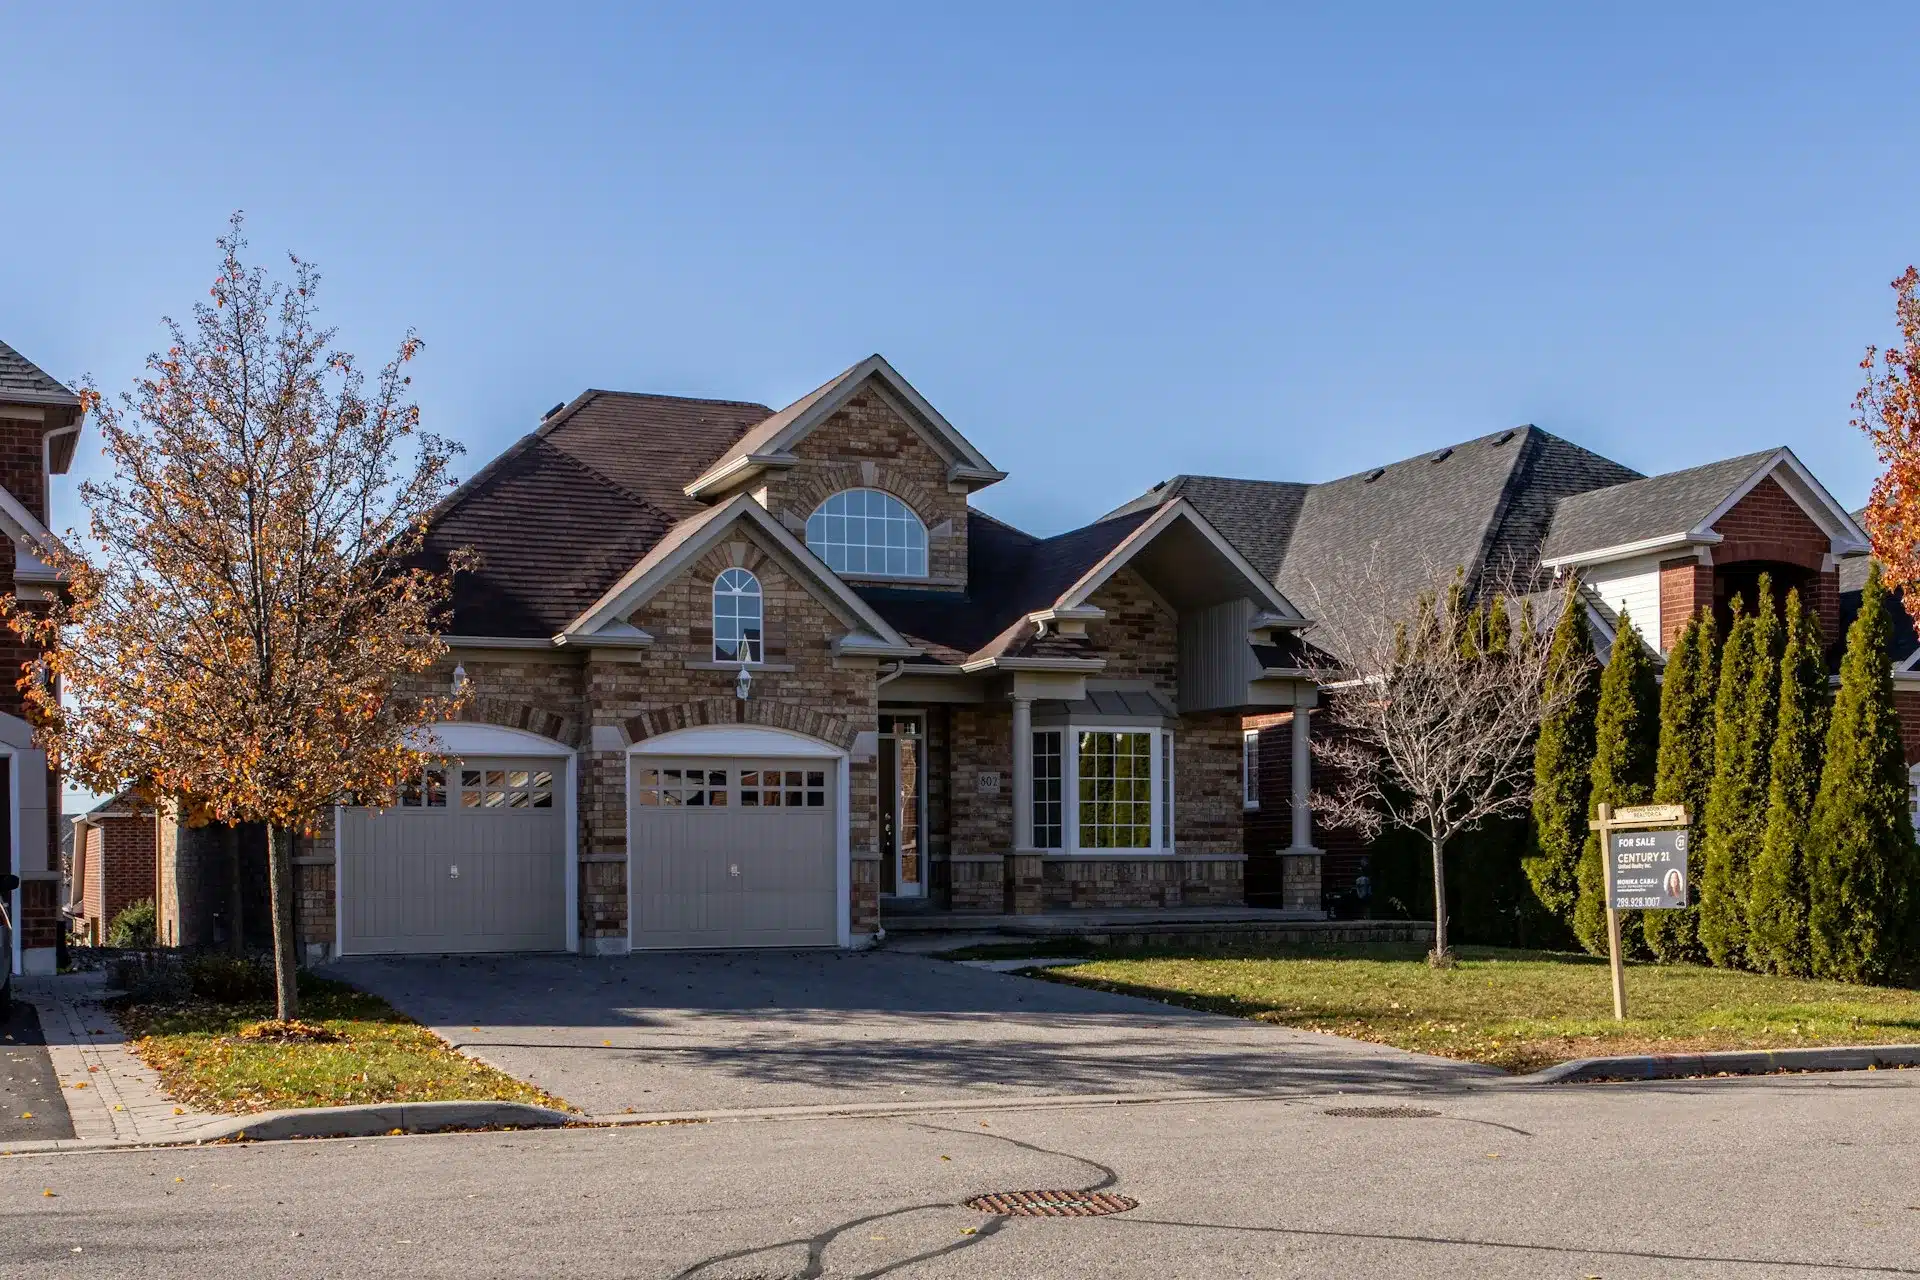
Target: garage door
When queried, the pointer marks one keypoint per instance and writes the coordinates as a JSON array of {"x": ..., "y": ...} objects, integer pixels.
[
  {"x": 472, "y": 857},
  {"x": 734, "y": 853}
]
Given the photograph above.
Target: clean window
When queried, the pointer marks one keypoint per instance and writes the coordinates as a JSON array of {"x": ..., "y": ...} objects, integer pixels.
[
  {"x": 865, "y": 532},
  {"x": 1048, "y": 798},
  {"x": 1250, "y": 769},
  {"x": 1913, "y": 796},
  {"x": 737, "y": 615},
  {"x": 1115, "y": 789}
]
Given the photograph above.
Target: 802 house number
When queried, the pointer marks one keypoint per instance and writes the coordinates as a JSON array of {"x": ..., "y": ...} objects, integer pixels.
[{"x": 987, "y": 784}]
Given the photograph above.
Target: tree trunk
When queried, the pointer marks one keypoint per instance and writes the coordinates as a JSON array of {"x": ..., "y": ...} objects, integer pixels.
[
  {"x": 1442, "y": 955},
  {"x": 280, "y": 878},
  {"x": 236, "y": 892}
]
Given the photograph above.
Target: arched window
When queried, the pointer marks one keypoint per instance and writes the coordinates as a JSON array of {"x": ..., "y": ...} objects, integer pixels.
[
  {"x": 736, "y": 617},
  {"x": 869, "y": 533}
]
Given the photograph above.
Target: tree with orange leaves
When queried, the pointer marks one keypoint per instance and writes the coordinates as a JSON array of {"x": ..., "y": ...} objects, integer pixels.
[
  {"x": 255, "y": 596},
  {"x": 1888, "y": 410}
]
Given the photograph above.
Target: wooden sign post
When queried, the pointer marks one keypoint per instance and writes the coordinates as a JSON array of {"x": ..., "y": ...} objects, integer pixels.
[{"x": 1643, "y": 865}]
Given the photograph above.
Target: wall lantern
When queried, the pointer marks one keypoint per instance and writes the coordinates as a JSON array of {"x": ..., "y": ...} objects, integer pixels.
[
  {"x": 743, "y": 684},
  {"x": 459, "y": 679}
]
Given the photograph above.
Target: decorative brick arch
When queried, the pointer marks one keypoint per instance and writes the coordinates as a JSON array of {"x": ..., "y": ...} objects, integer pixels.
[
  {"x": 818, "y": 484},
  {"x": 511, "y": 713},
  {"x": 725, "y": 709}
]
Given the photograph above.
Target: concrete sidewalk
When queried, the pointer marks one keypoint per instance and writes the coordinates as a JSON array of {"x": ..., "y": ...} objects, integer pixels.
[{"x": 110, "y": 1094}]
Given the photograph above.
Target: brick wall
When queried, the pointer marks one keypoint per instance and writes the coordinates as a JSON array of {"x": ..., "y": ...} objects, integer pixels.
[
  {"x": 1686, "y": 587},
  {"x": 982, "y": 743},
  {"x": 867, "y": 445},
  {"x": 1906, "y": 701},
  {"x": 119, "y": 870},
  {"x": 1768, "y": 525}
]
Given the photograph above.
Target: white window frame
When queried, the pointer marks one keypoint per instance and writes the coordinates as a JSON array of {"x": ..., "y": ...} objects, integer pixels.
[
  {"x": 914, "y": 549},
  {"x": 752, "y": 645},
  {"x": 1913, "y": 796},
  {"x": 1163, "y": 828},
  {"x": 1250, "y": 769}
]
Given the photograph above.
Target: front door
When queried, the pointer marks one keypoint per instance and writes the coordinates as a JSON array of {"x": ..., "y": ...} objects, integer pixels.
[{"x": 903, "y": 767}]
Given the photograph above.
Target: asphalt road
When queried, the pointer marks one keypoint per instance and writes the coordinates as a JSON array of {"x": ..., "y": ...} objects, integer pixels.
[
  {"x": 31, "y": 1107},
  {"x": 1809, "y": 1176}
]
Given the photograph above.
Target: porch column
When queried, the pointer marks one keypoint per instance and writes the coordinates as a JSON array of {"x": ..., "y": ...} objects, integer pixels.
[
  {"x": 1302, "y": 780},
  {"x": 1022, "y": 774}
]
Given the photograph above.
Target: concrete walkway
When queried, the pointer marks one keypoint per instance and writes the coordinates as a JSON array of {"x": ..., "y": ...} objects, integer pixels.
[{"x": 111, "y": 1095}]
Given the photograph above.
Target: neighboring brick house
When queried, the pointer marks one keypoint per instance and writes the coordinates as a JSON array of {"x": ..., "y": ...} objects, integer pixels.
[
  {"x": 39, "y": 424},
  {"x": 744, "y": 677},
  {"x": 1524, "y": 506},
  {"x": 115, "y": 863}
]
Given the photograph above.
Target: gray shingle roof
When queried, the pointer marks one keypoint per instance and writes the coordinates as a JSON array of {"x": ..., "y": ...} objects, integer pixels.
[
  {"x": 1482, "y": 503},
  {"x": 24, "y": 382},
  {"x": 1650, "y": 508}
]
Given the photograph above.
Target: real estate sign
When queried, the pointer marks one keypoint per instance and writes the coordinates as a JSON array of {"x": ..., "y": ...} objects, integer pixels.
[{"x": 1649, "y": 870}]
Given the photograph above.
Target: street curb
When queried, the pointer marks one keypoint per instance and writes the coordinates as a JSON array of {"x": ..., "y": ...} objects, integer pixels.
[
  {"x": 329, "y": 1122},
  {"x": 1739, "y": 1062}
]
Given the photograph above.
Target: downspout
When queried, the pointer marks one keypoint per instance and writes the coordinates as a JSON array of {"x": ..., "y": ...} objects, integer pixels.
[{"x": 899, "y": 669}]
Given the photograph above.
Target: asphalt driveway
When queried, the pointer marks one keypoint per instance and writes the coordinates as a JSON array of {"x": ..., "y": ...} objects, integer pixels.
[
  {"x": 31, "y": 1107},
  {"x": 679, "y": 1031}
]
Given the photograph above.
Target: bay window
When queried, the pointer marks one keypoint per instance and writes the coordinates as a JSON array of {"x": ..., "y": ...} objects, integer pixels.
[{"x": 1104, "y": 788}]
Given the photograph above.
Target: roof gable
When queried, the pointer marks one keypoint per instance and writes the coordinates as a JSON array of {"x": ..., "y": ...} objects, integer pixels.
[
  {"x": 1679, "y": 508},
  {"x": 692, "y": 538},
  {"x": 769, "y": 443}
]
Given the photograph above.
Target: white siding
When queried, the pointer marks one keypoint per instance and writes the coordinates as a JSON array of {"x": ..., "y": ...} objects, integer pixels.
[{"x": 1632, "y": 587}]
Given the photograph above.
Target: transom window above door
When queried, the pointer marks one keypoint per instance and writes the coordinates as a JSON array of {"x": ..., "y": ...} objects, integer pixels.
[{"x": 868, "y": 533}]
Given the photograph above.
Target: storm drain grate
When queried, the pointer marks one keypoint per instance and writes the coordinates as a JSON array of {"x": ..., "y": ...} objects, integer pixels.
[
  {"x": 1381, "y": 1113},
  {"x": 1052, "y": 1204}
]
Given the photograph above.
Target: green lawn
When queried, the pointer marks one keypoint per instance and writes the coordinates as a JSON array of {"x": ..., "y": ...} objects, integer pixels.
[
  {"x": 1518, "y": 1010},
  {"x": 381, "y": 1056}
]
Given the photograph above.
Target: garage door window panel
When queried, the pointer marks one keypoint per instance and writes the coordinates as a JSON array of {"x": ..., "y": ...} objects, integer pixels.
[
  {"x": 508, "y": 788},
  {"x": 768, "y": 787}
]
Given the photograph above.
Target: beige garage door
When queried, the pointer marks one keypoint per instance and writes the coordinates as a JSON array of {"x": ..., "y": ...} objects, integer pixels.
[
  {"x": 734, "y": 853},
  {"x": 472, "y": 857}
]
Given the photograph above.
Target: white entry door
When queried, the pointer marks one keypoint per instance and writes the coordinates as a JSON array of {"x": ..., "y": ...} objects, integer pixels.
[
  {"x": 733, "y": 852},
  {"x": 470, "y": 858}
]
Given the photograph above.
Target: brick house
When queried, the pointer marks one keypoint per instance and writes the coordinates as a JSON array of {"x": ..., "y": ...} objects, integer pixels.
[
  {"x": 39, "y": 425},
  {"x": 115, "y": 863},
  {"x": 742, "y": 676},
  {"x": 1525, "y": 504}
]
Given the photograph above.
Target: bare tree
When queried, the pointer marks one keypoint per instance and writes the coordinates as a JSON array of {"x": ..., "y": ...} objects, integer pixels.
[{"x": 1433, "y": 701}]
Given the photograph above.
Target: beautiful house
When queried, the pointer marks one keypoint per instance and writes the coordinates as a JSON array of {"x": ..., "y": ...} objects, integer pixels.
[
  {"x": 740, "y": 675},
  {"x": 39, "y": 424},
  {"x": 1527, "y": 508}
]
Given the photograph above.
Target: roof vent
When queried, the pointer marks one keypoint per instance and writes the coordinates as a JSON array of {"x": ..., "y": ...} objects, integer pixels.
[
  {"x": 1506, "y": 435},
  {"x": 1374, "y": 474},
  {"x": 1443, "y": 455},
  {"x": 549, "y": 413}
]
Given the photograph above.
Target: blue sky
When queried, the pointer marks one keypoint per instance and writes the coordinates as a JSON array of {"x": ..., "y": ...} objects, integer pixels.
[{"x": 1110, "y": 243}]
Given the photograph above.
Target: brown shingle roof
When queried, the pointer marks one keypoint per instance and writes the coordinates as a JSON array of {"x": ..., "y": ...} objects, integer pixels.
[{"x": 653, "y": 445}]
